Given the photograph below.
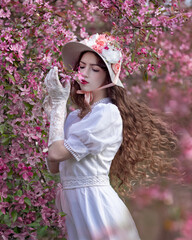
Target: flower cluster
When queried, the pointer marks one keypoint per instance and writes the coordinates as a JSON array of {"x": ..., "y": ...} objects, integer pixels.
[{"x": 105, "y": 45}]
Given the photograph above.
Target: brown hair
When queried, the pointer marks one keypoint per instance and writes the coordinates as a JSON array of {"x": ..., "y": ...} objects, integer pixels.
[
  {"x": 147, "y": 143},
  {"x": 147, "y": 139}
]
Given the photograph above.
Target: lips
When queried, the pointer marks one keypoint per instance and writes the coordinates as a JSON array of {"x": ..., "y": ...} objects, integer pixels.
[{"x": 83, "y": 81}]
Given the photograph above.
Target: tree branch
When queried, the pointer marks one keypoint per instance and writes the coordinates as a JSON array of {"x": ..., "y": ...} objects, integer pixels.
[{"x": 133, "y": 25}]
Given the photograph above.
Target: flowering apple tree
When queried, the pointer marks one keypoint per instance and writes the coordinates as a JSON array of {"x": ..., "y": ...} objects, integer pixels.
[{"x": 32, "y": 35}]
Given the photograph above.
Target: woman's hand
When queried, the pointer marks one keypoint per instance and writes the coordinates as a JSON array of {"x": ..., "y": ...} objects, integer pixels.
[
  {"x": 56, "y": 92},
  {"x": 58, "y": 96}
]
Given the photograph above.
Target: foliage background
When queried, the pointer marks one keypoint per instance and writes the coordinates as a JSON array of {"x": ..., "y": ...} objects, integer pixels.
[{"x": 156, "y": 40}]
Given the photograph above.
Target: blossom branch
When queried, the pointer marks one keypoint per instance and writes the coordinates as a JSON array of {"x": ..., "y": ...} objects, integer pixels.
[{"x": 133, "y": 25}]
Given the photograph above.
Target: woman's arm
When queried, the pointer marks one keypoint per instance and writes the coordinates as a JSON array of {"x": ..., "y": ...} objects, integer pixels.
[
  {"x": 57, "y": 153},
  {"x": 59, "y": 96},
  {"x": 52, "y": 166}
]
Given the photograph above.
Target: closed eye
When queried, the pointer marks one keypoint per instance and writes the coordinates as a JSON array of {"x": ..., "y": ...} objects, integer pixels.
[
  {"x": 95, "y": 70},
  {"x": 81, "y": 67}
]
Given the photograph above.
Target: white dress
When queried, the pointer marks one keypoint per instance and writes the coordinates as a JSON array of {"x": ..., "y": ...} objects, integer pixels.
[{"x": 94, "y": 210}]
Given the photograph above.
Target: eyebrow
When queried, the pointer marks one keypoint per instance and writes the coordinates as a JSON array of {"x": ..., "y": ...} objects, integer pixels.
[{"x": 93, "y": 64}]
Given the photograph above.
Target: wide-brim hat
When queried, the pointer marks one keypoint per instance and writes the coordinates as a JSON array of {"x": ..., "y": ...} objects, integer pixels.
[{"x": 104, "y": 46}]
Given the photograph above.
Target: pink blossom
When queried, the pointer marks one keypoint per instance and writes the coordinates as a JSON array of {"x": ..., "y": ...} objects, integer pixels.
[
  {"x": 10, "y": 58},
  {"x": 186, "y": 146},
  {"x": 83, "y": 33},
  {"x": 150, "y": 67},
  {"x": 145, "y": 196},
  {"x": 25, "y": 90},
  {"x": 5, "y": 14},
  {"x": 136, "y": 89},
  {"x": 3, "y": 192},
  {"x": 106, "y": 3},
  {"x": 186, "y": 229},
  {"x": 18, "y": 49},
  {"x": 3, "y": 206},
  {"x": 19, "y": 199}
]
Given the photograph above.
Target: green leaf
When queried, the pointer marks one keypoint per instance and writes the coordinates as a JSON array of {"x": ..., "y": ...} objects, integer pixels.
[
  {"x": 145, "y": 76},
  {"x": 5, "y": 140},
  {"x": 20, "y": 25},
  {"x": 44, "y": 138},
  {"x": 7, "y": 220},
  {"x": 19, "y": 193},
  {"x": 172, "y": 17},
  {"x": 27, "y": 201},
  {"x": 10, "y": 174},
  {"x": 17, "y": 230},
  {"x": 35, "y": 224},
  {"x": 9, "y": 199},
  {"x": 14, "y": 215},
  {"x": 148, "y": 34},
  {"x": 42, "y": 231},
  {"x": 133, "y": 57},
  {"x": 62, "y": 214},
  {"x": 11, "y": 76},
  {"x": 8, "y": 87},
  {"x": 1, "y": 213},
  {"x": 28, "y": 106},
  {"x": 15, "y": 64},
  {"x": 2, "y": 128},
  {"x": 9, "y": 185}
]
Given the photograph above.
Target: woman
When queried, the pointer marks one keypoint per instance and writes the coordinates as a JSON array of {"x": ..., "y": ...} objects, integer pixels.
[{"x": 108, "y": 127}]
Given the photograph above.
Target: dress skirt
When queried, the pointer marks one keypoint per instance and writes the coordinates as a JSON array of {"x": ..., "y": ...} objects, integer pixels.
[{"x": 96, "y": 213}]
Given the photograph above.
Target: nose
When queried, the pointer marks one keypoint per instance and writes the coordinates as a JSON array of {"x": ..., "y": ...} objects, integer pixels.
[{"x": 84, "y": 72}]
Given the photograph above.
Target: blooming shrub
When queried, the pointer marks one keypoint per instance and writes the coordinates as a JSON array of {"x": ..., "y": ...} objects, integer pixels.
[{"x": 31, "y": 39}]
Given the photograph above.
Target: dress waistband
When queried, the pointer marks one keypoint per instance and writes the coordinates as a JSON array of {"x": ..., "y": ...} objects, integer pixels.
[{"x": 84, "y": 181}]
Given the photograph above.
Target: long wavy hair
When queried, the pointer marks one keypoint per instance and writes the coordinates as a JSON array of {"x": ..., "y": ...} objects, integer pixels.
[{"x": 148, "y": 142}]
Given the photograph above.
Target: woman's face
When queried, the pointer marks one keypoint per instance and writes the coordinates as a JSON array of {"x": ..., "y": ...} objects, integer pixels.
[{"x": 93, "y": 75}]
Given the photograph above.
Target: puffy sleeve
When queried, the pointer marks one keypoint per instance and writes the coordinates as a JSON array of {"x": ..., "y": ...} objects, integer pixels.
[{"x": 99, "y": 129}]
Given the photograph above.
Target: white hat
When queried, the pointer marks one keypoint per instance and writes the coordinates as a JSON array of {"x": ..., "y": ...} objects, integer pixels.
[{"x": 103, "y": 45}]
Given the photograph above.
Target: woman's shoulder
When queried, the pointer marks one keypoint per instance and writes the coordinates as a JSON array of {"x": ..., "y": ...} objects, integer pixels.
[
  {"x": 73, "y": 113},
  {"x": 72, "y": 118},
  {"x": 106, "y": 108}
]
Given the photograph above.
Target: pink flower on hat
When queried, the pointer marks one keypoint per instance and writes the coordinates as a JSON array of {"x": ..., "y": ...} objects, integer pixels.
[
  {"x": 101, "y": 40},
  {"x": 97, "y": 48},
  {"x": 116, "y": 67},
  {"x": 100, "y": 43},
  {"x": 104, "y": 45}
]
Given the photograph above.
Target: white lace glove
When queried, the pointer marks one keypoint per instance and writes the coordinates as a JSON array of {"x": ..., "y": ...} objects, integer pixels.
[
  {"x": 59, "y": 96},
  {"x": 47, "y": 106}
]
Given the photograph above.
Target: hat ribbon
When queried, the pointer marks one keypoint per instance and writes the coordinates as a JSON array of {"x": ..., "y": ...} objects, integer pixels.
[{"x": 89, "y": 94}]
